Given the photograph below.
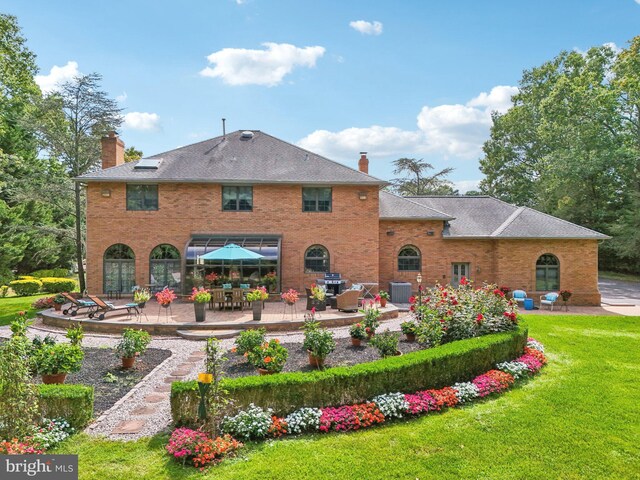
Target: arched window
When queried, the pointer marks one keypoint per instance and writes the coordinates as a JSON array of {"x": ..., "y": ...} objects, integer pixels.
[
  {"x": 165, "y": 267},
  {"x": 409, "y": 259},
  {"x": 119, "y": 269},
  {"x": 547, "y": 273},
  {"x": 316, "y": 259}
]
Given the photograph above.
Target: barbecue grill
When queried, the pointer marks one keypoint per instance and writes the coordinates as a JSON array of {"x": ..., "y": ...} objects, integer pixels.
[{"x": 334, "y": 283}]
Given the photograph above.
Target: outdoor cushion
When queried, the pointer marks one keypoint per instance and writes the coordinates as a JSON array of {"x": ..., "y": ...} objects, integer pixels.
[
  {"x": 519, "y": 294},
  {"x": 226, "y": 285},
  {"x": 551, "y": 297}
]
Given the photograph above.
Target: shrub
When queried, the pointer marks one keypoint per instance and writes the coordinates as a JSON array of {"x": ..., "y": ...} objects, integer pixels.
[
  {"x": 386, "y": 343},
  {"x": 392, "y": 404},
  {"x": 318, "y": 341},
  {"x": 20, "y": 324},
  {"x": 58, "y": 358},
  {"x": 249, "y": 339},
  {"x": 250, "y": 424},
  {"x": 74, "y": 403},
  {"x": 57, "y": 285},
  {"x": 52, "y": 272},
  {"x": 305, "y": 419},
  {"x": 270, "y": 356},
  {"x": 75, "y": 334},
  {"x": 4, "y": 291},
  {"x": 132, "y": 342},
  {"x": 26, "y": 287},
  {"x": 431, "y": 368}
]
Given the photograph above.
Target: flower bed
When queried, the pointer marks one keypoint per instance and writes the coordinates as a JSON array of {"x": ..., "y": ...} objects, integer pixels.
[
  {"x": 257, "y": 423},
  {"x": 419, "y": 370}
]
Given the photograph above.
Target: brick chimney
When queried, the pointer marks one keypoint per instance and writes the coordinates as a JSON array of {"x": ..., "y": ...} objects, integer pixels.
[
  {"x": 363, "y": 163},
  {"x": 112, "y": 151}
]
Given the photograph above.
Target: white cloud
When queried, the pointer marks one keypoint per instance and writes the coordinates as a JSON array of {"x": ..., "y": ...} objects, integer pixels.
[
  {"x": 449, "y": 130},
  {"x": 239, "y": 66},
  {"x": 57, "y": 75},
  {"x": 122, "y": 97},
  {"x": 142, "y": 121},
  {"x": 463, "y": 186},
  {"x": 638, "y": 2},
  {"x": 616, "y": 49},
  {"x": 367, "y": 28}
]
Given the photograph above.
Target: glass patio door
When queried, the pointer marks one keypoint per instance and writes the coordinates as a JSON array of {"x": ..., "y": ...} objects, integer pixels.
[{"x": 459, "y": 270}]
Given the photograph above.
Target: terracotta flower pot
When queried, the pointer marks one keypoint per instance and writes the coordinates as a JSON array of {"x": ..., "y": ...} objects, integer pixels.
[
  {"x": 57, "y": 307},
  {"x": 127, "y": 362},
  {"x": 411, "y": 337},
  {"x": 356, "y": 342},
  {"x": 314, "y": 361},
  {"x": 53, "y": 378},
  {"x": 264, "y": 371},
  {"x": 383, "y": 302}
]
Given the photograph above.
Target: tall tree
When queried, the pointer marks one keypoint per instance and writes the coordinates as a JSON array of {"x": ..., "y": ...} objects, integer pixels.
[
  {"x": 131, "y": 154},
  {"x": 416, "y": 179},
  {"x": 72, "y": 120},
  {"x": 564, "y": 146}
]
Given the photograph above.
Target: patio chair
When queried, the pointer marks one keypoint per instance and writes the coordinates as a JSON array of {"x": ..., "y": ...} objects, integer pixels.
[
  {"x": 348, "y": 301},
  {"x": 519, "y": 296},
  {"x": 237, "y": 298},
  {"x": 549, "y": 299},
  {"x": 104, "y": 307},
  {"x": 77, "y": 305},
  {"x": 217, "y": 296}
]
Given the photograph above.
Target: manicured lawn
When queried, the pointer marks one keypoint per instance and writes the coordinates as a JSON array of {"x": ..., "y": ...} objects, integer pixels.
[
  {"x": 578, "y": 419},
  {"x": 11, "y": 305},
  {"x": 619, "y": 276}
]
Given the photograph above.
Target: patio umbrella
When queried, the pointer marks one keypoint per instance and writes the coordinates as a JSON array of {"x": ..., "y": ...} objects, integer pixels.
[{"x": 231, "y": 252}]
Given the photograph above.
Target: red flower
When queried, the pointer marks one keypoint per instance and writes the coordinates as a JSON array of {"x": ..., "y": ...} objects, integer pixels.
[
  {"x": 479, "y": 318},
  {"x": 464, "y": 281},
  {"x": 412, "y": 299}
]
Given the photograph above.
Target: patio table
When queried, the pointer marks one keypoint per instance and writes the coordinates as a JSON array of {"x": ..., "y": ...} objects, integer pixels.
[{"x": 369, "y": 287}]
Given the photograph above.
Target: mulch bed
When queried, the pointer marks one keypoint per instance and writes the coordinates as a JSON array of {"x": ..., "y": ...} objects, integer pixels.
[
  {"x": 344, "y": 355},
  {"x": 98, "y": 362}
]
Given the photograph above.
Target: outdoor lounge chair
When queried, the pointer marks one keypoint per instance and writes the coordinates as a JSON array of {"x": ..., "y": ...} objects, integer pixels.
[
  {"x": 348, "y": 301},
  {"x": 549, "y": 299},
  {"x": 77, "y": 305},
  {"x": 104, "y": 307},
  {"x": 519, "y": 295}
]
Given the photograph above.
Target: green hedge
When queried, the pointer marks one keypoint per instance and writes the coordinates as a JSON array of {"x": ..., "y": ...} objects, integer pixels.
[
  {"x": 57, "y": 285},
  {"x": 26, "y": 286},
  {"x": 74, "y": 403},
  {"x": 51, "y": 272},
  {"x": 431, "y": 368}
]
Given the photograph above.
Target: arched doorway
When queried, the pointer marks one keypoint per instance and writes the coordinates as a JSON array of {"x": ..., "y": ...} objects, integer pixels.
[
  {"x": 164, "y": 267},
  {"x": 119, "y": 269}
]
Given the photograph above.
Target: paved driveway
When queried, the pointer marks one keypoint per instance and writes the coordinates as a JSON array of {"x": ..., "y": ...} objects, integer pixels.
[{"x": 619, "y": 291}]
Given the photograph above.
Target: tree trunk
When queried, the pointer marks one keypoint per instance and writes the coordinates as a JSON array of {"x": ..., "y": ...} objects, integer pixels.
[{"x": 79, "y": 242}]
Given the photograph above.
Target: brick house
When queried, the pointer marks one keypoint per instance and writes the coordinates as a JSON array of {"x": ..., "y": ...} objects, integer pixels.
[{"x": 148, "y": 223}]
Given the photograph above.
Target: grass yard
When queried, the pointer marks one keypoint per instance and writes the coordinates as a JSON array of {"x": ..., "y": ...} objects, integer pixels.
[
  {"x": 11, "y": 305},
  {"x": 578, "y": 419},
  {"x": 628, "y": 277}
]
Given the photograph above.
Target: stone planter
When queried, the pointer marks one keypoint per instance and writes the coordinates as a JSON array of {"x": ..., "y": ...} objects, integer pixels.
[
  {"x": 256, "y": 306},
  {"x": 356, "y": 342},
  {"x": 127, "y": 362},
  {"x": 201, "y": 312},
  {"x": 53, "y": 378}
]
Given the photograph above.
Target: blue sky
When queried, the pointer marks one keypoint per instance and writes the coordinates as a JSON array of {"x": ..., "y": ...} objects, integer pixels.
[{"x": 393, "y": 78}]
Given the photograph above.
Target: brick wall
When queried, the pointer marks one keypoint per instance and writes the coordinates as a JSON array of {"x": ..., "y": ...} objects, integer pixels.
[
  {"x": 349, "y": 232},
  {"x": 504, "y": 262}
]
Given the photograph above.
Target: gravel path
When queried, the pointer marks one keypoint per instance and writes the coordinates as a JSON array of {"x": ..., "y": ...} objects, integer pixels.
[{"x": 145, "y": 410}]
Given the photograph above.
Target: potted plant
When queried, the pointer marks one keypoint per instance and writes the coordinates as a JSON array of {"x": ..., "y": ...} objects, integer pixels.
[
  {"x": 370, "y": 321},
  {"x": 55, "y": 361},
  {"x": 213, "y": 279},
  {"x": 318, "y": 297},
  {"x": 141, "y": 296},
  {"x": 566, "y": 295},
  {"x": 357, "y": 333},
  {"x": 386, "y": 343},
  {"x": 384, "y": 298},
  {"x": 270, "y": 280},
  {"x": 165, "y": 297},
  {"x": 319, "y": 343},
  {"x": 200, "y": 297},
  {"x": 290, "y": 297},
  {"x": 269, "y": 357},
  {"x": 132, "y": 343},
  {"x": 256, "y": 297},
  {"x": 409, "y": 329},
  {"x": 58, "y": 301}
]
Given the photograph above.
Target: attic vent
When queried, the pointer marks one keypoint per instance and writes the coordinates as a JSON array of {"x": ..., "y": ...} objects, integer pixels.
[
  {"x": 148, "y": 164},
  {"x": 247, "y": 134}
]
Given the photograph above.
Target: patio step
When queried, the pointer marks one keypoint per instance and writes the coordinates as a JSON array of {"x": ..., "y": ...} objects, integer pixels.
[{"x": 205, "y": 334}]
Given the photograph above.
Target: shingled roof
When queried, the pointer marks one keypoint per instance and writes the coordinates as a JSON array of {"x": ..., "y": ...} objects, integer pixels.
[
  {"x": 488, "y": 217},
  {"x": 394, "y": 207},
  {"x": 237, "y": 158}
]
